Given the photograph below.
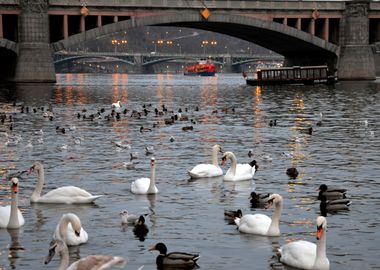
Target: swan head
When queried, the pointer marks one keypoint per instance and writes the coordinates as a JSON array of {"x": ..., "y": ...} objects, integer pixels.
[
  {"x": 321, "y": 226},
  {"x": 227, "y": 155},
  {"x": 56, "y": 246},
  {"x": 274, "y": 198},
  {"x": 218, "y": 148},
  {"x": 36, "y": 166},
  {"x": 152, "y": 161},
  {"x": 160, "y": 247},
  {"x": 14, "y": 185}
]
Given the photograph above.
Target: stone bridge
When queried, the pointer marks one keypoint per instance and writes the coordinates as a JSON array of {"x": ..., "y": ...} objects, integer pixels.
[{"x": 337, "y": 33}]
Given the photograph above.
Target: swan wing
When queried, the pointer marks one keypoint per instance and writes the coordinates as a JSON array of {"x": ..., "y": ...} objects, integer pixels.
[
  {"x": 205, "y": 171},
  {"x": 300, "y": 254},
  {"x": 141, "y": 185},
  {"x": 68, "y": 195},
  {"x": 243, "y": 172},
  {"x": 255, "y": 224},
  {"x": 98, "y": 262},
  {"x": 5, "y": 214}
]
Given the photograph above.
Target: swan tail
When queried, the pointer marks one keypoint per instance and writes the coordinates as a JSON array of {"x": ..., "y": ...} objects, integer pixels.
[{"x": 192, "y": 175}]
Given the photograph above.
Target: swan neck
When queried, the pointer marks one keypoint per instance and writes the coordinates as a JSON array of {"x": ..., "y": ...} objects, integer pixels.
[
  {"x": 233, "y": 164},
  {"x": 274, "y": 226},
  {"x": 40, "y": 183},
  {"x": 64, "y": 263},
  {"x": 214, "y": 157},
  {"x": 152, "y": 183},
  {"x": 321, "y": 246},
  {"x": 13, "y": 219},
  {"x": 62, "y": 227}
]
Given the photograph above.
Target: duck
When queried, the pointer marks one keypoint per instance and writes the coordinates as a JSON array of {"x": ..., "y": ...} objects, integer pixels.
[
  {"x": 292, "y": 172},
  {"x": 333, "y": 205},
  {"x": 116, "y": 104},
  {"x": 140, "y": 229},
  {"x": 146, "y": 185},
  {"x": 332, "y": 193},
  {"x": 205, "y": 170},
  {"x": 230, "y": 215},
  {"x": 261, "y": 224},
  {"x": 307, "y": 255},
  {"x": 65, "y": 195},
  {"x": 258, "y": 200},
  {"x": 70, "y": 230},
  {"x": 127, "y": 218},
  {"x": 10, "y": 216},
  {"x": 93, "y": 262},
  {"x": 238, "y": 172},
  {"x": 178, "y": 260}
]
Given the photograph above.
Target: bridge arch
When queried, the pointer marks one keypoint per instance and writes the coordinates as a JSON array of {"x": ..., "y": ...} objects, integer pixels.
[{"x": 287, "y": 41}]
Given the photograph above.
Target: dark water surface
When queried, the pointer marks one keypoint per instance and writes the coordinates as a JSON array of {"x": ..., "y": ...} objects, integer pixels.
[{"x": 188, "y": 215}]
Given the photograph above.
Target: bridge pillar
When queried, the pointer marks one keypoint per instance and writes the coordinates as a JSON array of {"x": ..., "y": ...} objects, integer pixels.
[
  {"x": 356, "y": 58},
  {"x": 227, "y": 68},
  {"x": 35, "y": 60}
]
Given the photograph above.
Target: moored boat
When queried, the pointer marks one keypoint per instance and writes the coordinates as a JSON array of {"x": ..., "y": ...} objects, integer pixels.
[
  {"x": 292, "y": 75},
  {"x": 201, "y": 68}
]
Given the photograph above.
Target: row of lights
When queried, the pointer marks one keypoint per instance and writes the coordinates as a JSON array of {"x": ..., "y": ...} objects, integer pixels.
[{"x": 119, "y": 41}]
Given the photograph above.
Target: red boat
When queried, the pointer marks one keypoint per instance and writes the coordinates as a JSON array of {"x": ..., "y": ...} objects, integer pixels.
[{"x": 201, "y": 68}]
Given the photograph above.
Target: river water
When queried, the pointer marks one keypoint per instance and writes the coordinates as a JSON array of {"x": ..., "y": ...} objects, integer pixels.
[{"x": 188, "y": 215}]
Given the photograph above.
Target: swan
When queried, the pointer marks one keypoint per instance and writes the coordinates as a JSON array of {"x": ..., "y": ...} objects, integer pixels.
[
  {"x": 331, "y": 193},
  {"x": 261, "y": 224},
  {"x": 67, "y": 194},
  {"x": 146, "y": 185},
  {"x": 306, "y": 255},
  {"x": 238, "y": 172},
  {"x": 93, "y": 262},
  {"x": 208, "y": 170},
  {"x": 69, "y": 230},
  {"x": 116, "y": 104},
  {"x": 10, "y": 216},
  {"x": 178, "y": 260}
]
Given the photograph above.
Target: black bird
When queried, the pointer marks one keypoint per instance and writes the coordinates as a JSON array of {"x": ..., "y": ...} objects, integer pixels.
[
  {"x": 292, "y": 172},
  {"x": 332, "y": 193},
  {"x": 174, "y": 260},
  {"x": 333, "y": 205},
  {"x": 140, "y": 229},
  {"x": 258, "y": 200},
  {"x": 230, "y": 215}
]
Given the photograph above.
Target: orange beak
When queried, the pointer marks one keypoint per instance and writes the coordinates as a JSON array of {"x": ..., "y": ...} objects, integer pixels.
[
  {"x": 223, "y": 161},
  {"x": 14, "y": 188},
  {"x": 319, "y": 232}
]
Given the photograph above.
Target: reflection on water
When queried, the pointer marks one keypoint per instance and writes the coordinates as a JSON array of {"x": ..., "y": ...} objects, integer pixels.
[{"x": 188, "y": 215}]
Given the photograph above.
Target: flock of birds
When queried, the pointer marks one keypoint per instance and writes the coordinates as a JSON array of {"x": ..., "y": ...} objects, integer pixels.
[{"x": 70, "y": 232}]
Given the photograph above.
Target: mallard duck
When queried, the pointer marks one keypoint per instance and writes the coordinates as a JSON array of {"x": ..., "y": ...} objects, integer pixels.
[
  {"x": 331, "y": 193},
  {"x": 230, "y": 215},
  {"x": 333, "y": 205},
  {"x": 258, "y": 200},
  {"x": 177, "y": 260}
]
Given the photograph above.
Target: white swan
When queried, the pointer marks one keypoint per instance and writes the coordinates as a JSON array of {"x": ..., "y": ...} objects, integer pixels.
[
  {"x": 10, "y": 216},
  {"x": 94, "y": 262},
  {"x": 116, "y": 104},
  {"x": 306, "y": 255},
  {"x": 70, "y": 231},
  {"x": 208, "y": 170},
  {"x": 261, "y": 224},
  {"x": 146, "y": 185},
  {"x": 67, "y": 194},
  {"x": 238, "y": 172}
]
